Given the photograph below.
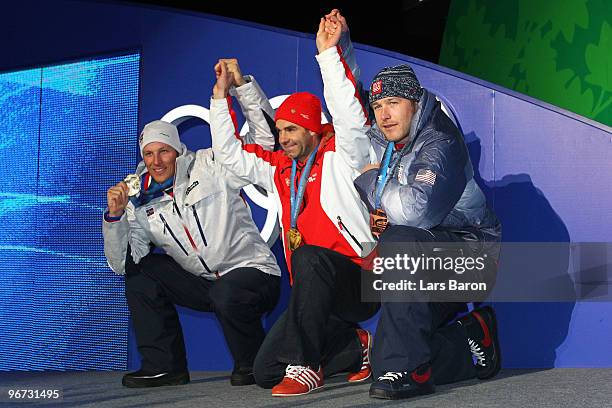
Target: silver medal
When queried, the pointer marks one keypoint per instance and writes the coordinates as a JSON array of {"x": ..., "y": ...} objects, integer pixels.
[{"x": 133, "y": 183}]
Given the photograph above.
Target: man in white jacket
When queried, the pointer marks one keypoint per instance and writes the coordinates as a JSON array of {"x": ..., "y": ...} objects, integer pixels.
[
  {"x": 323, "y": 220},
  {"x": 215, "y": 259}
]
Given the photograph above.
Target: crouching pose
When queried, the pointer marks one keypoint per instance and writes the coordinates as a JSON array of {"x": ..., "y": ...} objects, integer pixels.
[
  {"x": 324, "y": 225},
  {"x": 422, "y": 194},
  {"x": 189, "y": 206}
]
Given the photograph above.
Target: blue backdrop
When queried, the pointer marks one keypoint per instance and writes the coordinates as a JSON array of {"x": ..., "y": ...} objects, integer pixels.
[
  {"x": 540, "y": 166},
  {"x": 64, "y": 131}
]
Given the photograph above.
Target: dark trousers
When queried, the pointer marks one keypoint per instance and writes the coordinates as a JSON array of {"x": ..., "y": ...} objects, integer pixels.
[
  {"x": 318, "y": 327},
  {"x": 410, "y": 334},
  {"x": 239, "y": 299}
]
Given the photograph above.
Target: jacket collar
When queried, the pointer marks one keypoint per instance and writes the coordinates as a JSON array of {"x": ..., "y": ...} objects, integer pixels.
[{"x": 207, "y": 182}]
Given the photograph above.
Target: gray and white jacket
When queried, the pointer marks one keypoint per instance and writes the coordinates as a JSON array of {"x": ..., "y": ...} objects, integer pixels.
[{"x": 206, "y": 206}]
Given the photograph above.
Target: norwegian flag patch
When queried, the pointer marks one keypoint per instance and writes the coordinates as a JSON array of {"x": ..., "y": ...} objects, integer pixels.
[
  {"x": 377, "y": 87},
  {"x": 426, "y": 176}
]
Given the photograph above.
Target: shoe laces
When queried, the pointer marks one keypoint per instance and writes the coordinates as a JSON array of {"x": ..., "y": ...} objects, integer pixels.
[
  {"x": 392, "y": 376},
  {"x": 365, "y": 357},
  {"x": 477, "y": 352},
  {"x": 304, "y": 375},
  {"x": 365, "y": 362}
]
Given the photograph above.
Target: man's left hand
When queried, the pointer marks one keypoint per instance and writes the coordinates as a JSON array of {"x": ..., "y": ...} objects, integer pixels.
[
  {"x": 370, "y": 167},
  {"x": 225, "y": 80}
]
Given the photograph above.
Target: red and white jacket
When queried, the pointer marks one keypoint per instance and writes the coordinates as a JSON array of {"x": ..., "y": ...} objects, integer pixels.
[{"x": 332, "y": 214}]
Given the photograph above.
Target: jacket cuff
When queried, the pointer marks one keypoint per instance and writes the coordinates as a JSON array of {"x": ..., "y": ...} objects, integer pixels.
[
  {"x": 328, "y": 55},
  {"x": 219, "y": 104},
  {"x": 236, "y": 90},
  {"x": 108, "y": 218}
]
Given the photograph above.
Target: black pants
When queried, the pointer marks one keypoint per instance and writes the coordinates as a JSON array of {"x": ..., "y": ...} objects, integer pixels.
[
  {"x": 318, "y": 327},
  {"x": 410, "y": 334},
  {"x": 239, "y": 299}
]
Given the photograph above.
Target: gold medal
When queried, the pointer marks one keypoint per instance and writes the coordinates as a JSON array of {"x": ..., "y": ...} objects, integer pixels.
[
  {"x": 293, "y": 235},
  {"x": 378, "y": 223},
  {"x": 295, "y": 239}
]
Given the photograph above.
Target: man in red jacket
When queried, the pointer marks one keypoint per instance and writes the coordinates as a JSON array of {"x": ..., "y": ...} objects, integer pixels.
[{"x": 324, "y": 225}]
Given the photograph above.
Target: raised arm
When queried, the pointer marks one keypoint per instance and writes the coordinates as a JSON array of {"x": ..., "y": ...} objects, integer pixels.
[
  {"x": 254, "y": 105},
  {"x": 249, "y": 161},
  {"x": 333, "y": 20},
  {"x": 343, "y": 99}
]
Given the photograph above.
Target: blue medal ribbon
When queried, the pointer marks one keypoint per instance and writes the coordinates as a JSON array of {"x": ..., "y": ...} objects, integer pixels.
[
  {"x": 155, "y": 190},
  {"x": 386, "y": 168},
  {"x": 296, "y": 199}
]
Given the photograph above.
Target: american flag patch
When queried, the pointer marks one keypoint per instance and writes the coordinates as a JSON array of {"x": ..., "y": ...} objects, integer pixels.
[
  {"x": 150, "y": 211},
  {"x": 426, "y": 176}
]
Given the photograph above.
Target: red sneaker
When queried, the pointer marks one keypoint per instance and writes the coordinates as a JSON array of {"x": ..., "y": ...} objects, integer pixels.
[
  {"x": 298, "y": 380},
  {"x": 366, "y": 369}
]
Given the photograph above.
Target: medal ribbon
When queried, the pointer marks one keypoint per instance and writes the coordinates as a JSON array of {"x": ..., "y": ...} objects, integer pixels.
[
  {"x": 387, "y": 167},
  {"x": 152, "y": 191},
  {"x": 296, "y": 199}
]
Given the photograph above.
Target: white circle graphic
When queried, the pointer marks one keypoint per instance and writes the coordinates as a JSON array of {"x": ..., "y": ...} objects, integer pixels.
[{"x": 270, "y": 229}]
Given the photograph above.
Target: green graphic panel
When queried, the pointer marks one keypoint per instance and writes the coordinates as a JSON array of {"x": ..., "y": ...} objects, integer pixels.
[{"x": 558, "y": 52}]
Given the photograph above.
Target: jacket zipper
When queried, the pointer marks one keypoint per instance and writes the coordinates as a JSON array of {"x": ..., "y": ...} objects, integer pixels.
[
  {"x": 195, "y": 215},
  {"x": 342, "y": 226},
  {"x": 167, "y": 227}
]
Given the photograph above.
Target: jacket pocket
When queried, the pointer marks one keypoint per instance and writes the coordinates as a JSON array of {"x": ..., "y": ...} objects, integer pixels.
[{"x": 195, "y": 215}]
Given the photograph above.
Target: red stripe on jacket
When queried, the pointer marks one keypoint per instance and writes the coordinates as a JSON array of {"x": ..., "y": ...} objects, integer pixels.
[
  {"x": 232, "y": 113},
  {"x": 349, "y": 75}
]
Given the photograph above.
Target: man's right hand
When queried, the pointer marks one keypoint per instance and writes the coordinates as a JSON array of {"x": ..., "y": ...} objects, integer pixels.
[
  {"x": 225, "y": 80},
  {"x": 233, "y": 68},
  {"x": 117, "y": 197}
]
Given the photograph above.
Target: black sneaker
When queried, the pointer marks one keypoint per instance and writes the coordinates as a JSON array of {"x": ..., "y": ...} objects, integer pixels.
[
  {"x": 397, "y": 385},
  {"x": 242, "y": 376},
  {"x": 144, "y": 379},
  {"x": 481, "y": 329}
]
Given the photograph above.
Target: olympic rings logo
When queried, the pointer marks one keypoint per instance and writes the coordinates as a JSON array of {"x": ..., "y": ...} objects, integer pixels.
[{"x": 270, "y": 230}]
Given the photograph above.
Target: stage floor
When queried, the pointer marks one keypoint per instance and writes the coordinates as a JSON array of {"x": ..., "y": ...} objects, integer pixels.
[{"x": 554, "y": 388}]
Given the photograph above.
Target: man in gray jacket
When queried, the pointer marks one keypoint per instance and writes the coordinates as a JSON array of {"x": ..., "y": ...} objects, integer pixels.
[
  {"x": 215, "y": 260},
  {"x": 422, "y": 197}
]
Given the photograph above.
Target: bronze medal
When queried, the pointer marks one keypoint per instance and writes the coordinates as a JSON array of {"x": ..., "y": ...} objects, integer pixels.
[
  {"x": 378, "y": 223},
  {"x": 295, "y": 239}
]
